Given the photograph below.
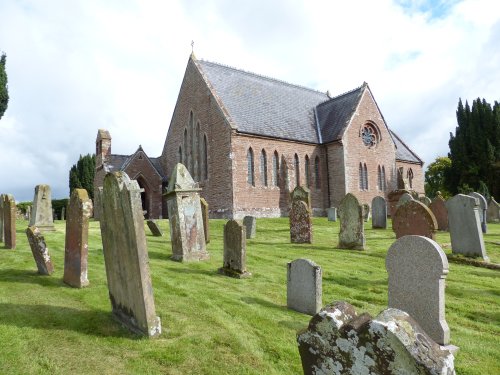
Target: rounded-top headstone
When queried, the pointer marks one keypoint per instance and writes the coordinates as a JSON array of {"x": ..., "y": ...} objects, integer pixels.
[
  {"x": 414, "y": 218},
  {"x": 379, "y": 212},
  {"x": 405, "y": 198},
  {"x": 483, "y": 206},
  {"x": 438, "y": 208},
  {"x": 351, "y": 235}
]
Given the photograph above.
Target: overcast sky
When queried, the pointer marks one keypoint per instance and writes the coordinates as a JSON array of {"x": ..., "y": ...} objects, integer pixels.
[{"x": 75, "y": 66}]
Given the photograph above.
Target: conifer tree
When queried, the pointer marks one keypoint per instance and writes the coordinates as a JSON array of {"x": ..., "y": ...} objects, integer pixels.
[
  {"x": 4, "y": 93},
  {"x": 81, "y": 175}
]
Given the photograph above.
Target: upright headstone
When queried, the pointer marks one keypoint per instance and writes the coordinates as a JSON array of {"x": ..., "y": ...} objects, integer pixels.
[
  {"x": 97, "y": 203},
  {"x": 186, "y": 221},
  {"x": 405, "y": 198},
  {"x": 332, "y": 214},
  {"x": 76, "y": 248},
  {"x": 63, "y": 212},
  {"x": 379, "y": 212},
  {"x": 205, "y": 217},
  {"x": 126, "y": 255},
  {"x": 303, "y": 287},
  {"x": 154, "y": 228},
  {"x": 2, "y": 197},
  {"x": 425, "y": 200},
  {"x": 250, "y": 223},
  {"x": 414, "y": 218},
  {"x": 366, "y": 212},
  {"x": 352, "y": 231},
  {"x": 300, "y": 223},
  {"x": 493, "y": 213},
  {"x": 301, "y": 193},
  {"x": 235, "y": 250},
  {"x": 465, "y": 227},
  {"x": 40, "y": 251},
  {"x": 41, "y": 215},
  {"x": 393, "y": 199},
  {"x": 9, "y": 221},
  {"x": 438, "y": 208},
  {"x": 483, "y": 207},
  {"x": 28, "y": 213},
  {"x": 417, "y": 268}
]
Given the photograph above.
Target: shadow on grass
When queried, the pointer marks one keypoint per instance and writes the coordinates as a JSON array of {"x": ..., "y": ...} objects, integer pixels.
[
  {"x": 262, "y": 302},
  {"x": 158, "y": 255},
  {"x": 29, "y": 276},
  {"x": 192, "y": 271}
]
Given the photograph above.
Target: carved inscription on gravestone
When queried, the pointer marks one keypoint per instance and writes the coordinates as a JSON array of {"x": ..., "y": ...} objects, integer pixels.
[{"x": 414, "y": 218}]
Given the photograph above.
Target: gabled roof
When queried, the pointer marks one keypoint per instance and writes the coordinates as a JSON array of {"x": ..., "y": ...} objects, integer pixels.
[
  {"x": 403, "y": 152},
  {"x": 120, "y": 162}
]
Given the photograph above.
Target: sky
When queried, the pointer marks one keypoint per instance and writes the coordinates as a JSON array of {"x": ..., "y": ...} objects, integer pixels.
[{"x": 78, "y": 66}]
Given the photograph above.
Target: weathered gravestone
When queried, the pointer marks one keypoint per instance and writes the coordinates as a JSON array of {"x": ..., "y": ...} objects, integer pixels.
[
  {"x": 493, "y": 213},
  {"x": 235, "y": 250},
  {"x": 97, "y": 203},
  {"x": 42, "y": 215},
  {"x": 438, "y": 208},
  {"x": 405, "y": 198},
  {"x": 28, "y": 213},
  {"x": 250, "y": 223},
  {"x": 154, "y": 228},
  {"x": 1, "y": 218},
  {"x": 332, "y": 214},
  {"x": 301, "y": 193},
  {"x": 379, "y": 212},
  {"x": 465, "y": 227},
  {"x": 414, "y": 218},
  {"x": 417, "y": 268},
  {"x": 9, "y": 221},
  {"x": 339, "y": 341},
  {"x": 303, "y": 287},
  {"x": 76, "y": 248},
  {"x": 186, "y": 221},
  {"x": 63, "y": 212},
  {"x": 204, "y": 216},
  {"x": 483, "y": 207},
  {"x": 425, "y": 200},
  {"x": 366, "y": 212},
  {"x": 352, "y": 231},
  {"x": 40, "y": 251},
  {"x": 300, "y": 223},
  {"x": 126, "y": 255},
  {"x": 393, "y": 199}
]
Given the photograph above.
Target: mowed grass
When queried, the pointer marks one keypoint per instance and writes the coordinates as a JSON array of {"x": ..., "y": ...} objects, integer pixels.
[{"x": 214, "y": 324}]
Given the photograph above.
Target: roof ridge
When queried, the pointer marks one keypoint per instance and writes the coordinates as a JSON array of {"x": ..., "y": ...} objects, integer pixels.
[
  {"x": 405, "y": 145},
  {"x": 344, "y": 93},
  {"x": 263, "y": 76}
]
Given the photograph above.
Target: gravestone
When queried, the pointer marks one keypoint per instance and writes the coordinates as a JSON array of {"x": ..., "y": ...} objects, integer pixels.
[
  {"x": 28, "y": 213},
  {"x": 76, "y": 248},
  {"x": 235, "y": 250},
  {"x": 332, "y": 214},
  {"x": 465, "y": 227},
  {"x": 154, "y": 228},
  {"x": 40, "y": 251},
  {"x": 2, "y": 197},
  {"x": 186, "y": 221},
  {"x": 63, "y": 212},
  {"x": 97, "y": 203},
  {"x": 366, "y": 212},
  {"x": 405, "y": 198},
  {"x": 9, "y": 221},
  {"x": 301, "y": 193},
  {"x": 300, "y": 223},
  {"x": 493, "y": 213},
  {"x": 393, "y": 199},
  {"x": 379, "y": 212},
  {"x": 54, "y": 216},
  {"x": 414, "y": 218},
  {"x": 42, "y": 215},
  {"x": 303, "y": 287},
  {"x": 483, "y": 207},
  {"x": 425, "y": 200},
  {"x": 204, "y": 216},
  {"x": 250, "y": 223},
  {"x": 438, "y": 208},
  {"x": 417, "y": 267},
  {"x": 126, "y": 255},
  {"x": 339, "y": 341},
  {"x": 352, "y": 231}
]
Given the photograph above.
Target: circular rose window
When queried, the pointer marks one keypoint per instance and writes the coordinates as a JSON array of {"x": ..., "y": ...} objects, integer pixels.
[{"x": 369, "y": 135}]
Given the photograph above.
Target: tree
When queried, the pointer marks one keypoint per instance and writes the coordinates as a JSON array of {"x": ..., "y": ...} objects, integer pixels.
[
  {"x": 81, "y": 175},
  {"x": 435, "y": 177},
  {"x": 4, "y": 93}
]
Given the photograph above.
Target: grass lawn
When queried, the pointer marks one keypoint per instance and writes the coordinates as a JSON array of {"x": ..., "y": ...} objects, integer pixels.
[{"x": 214, "y": 324}]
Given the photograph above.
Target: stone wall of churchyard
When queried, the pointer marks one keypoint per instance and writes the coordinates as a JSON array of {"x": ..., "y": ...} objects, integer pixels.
[{"x": 417, "y": 182}]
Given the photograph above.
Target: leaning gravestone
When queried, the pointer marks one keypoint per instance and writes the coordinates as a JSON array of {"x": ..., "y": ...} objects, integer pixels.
[
  {"x": 366, "y": 212},
  {"x": 465, "y": 227},
  {"x": 417, "y": 268},
  {"x": 235, "y": 250},
  {"x": 352, "y": 231},
  {"x": 206, "y": 223},
  {"x": 301, "y": 193},
  {"x": 42, "y": 216},
  {"x": 483, "y": 207},
  {"x": 154, "y": 228},
  {"x": 414, "y": 218},
  {"x": 493, "y": 213},
  {"x": 339, "y": 341},
  {"x": 126, "y": 255},
  {"x": 438, "y": 208},
  {"x": 1, "y": 218},
  {"x": 40, "y": 251},
  {"x": 250, "y": 223},
  {"x": 332, "y": 214},
  {"x": 393, "y": 199},
  {"x": 186, "y": 221},
  {"x": 76, "y": 248},
  {"x": 300, "y": 223},
  {"x": 379, "y": 212},
  {"x": 9, "y": 221},
  {"x": 303, "y": 287}
]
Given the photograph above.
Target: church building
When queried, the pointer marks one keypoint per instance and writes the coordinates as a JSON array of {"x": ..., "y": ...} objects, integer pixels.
[{"x": 248, "y": 140}]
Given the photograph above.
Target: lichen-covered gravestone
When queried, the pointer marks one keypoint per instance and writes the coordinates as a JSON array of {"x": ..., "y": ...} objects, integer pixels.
[
  {"x": 300, "y": 223},
  {"x": 76, "y": 248},
  {"x": 154, "y": 228},
  {"x": 438, "y": 208},
  {"x": 9, "y": 221},
  {"x": 42, "y": 215},
  {"x": 204, "y": 216},
  {"x": 40, "y": 251},
  {"x": 493, "y": 212},
  {"x": 332, "y": 214},
  {"x": 339, "y": 341},
  {"x": 352, "y": 231},
  {"x": 379, "y": 212},
  {"x": 483, "y": 207},
  {"x": 301, "y": 193},
  {"x": 393, "y": 199},
  {"x": 303, "y": 287},
  {"x": 405, "y": 198},
  {"x": 186, "y": 221},
  {"x": 126, "y": 255},
  {"x": 1, "y": 218},
  {"x": 414, "y": 218},
  {"x": 465, "y": 227},
  {"x": 235, "y": 250},
  {"x": 250, "y": 223}
]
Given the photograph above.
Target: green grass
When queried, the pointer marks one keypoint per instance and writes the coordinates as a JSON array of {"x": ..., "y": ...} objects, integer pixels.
[{"x": 214, "y": 324}]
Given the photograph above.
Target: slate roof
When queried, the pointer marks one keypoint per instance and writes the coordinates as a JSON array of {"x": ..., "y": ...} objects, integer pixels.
[
  {"x": 118, "y": 163},
  {"x": 403, "y": 152}
]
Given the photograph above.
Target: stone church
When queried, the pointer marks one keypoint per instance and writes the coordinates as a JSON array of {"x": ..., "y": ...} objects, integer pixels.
[{"x": 248, "y": 140}]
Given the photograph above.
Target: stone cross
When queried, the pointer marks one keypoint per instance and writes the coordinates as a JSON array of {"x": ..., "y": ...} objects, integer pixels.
[
  {"x": 9, "y": 221},
  {"x": 154, "y": 228},
  {"x": 205, "y": 217},
  {"x": 493, "y": 213},
  {"x": 303, "y": 287},
  {"x": 77, "y": 239},
  {"x": 438, "y": 208},
  {"x": 332, "y": 214},
  {"x": 379, "y": 212},
  {"x": 300, "y": 223},
  {"x": 235, "y": 252},
  {"x": 42, "y": 215},
  {"x": 40, "y": 251},
  {"x": 414, "y": 218},
  {"x": 352, "y": 231},
  {"x": 126, "y": 255},
  {"x": 483, "y": 207},
  {"x": 250, "y": 223}
]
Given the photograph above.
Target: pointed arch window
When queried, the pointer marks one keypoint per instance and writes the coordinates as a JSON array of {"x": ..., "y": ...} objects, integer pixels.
[
  {"x": 409, "y": 175},
  {"x": 185, "y": 141},
  {"x": 384, "y": 183},
  {"x": 189, "y": 151},
  {"x": 365, "y": 170},
  {"x": 263, "y": 168},
  {"x": 250, "y": 166},
  {"x": 316, "y": 173},
  {"x": 379, "y": 178},
  {"x": 196, "y": 153},
  {"x": 363, "y": 177},
  {"x": 307, "y": 168},
  {"x": 204, "y": 156},
  {"x": 179, "y": 156},
  {"x": 297, "y": 170},
  {"x": 276, "y": 168}
]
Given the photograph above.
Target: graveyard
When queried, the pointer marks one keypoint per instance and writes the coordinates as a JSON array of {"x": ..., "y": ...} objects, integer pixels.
[{"x": 214, "y": 324}]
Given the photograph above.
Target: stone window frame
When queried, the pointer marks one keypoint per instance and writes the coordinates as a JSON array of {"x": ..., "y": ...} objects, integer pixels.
[
  {"x": 370, "y": 134},
  {"x": 307, "y": 167},
  {"x": 179, "y": 155},
  {"x": 250, "y": 167},
  {"x": 363, "y": 176},
  {"x": 204, "y": 156},
  {"x": 196, "y": 152},
  {"x": 317, "y": 172},
  {"x": 263, "y": 167},
  {"x": 297, "y": 169},
  {"x": 382, "y": 182},
  {"x": 189, "y": 150},
  {"x": 185, "y": 142},
  {"x": 409, "y": 175},
  {"x": 276, "y": 168}
]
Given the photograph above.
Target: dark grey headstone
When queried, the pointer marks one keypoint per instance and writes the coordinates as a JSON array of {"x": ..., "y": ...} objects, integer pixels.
[
  {"x": 234, "y": 250},
  {"x": 154, "y": 228},
  {"x": 379, "y": 212}
]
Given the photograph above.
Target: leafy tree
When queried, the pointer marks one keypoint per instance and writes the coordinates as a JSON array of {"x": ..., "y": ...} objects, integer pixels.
[
  {"x": 435, "y": 177},
  {"x": 4, "y": 93},
  {"x": 81, "y": 175}
]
